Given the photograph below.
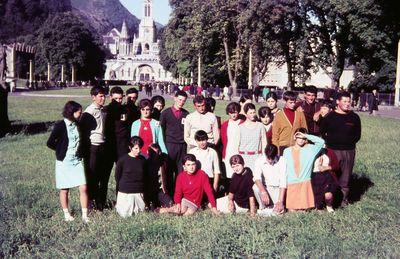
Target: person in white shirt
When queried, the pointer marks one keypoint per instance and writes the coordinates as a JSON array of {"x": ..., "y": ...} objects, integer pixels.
[
  {"x": 201, "y": 120},
  {"x": 207, "y": 158},
  {"x": 270, "y": 180}
]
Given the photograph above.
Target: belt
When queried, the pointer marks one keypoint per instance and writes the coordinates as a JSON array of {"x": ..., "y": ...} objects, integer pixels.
[{"x": 250, "y": 152}]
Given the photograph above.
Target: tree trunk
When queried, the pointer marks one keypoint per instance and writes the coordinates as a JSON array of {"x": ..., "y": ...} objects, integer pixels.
[
  {"x": 232, "y": 78},
  {"x": 4, "y": 121},
  {"x": 290, "y": 83}
]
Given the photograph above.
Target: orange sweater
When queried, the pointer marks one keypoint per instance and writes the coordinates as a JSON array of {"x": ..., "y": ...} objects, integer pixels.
[{"x": 283, "y": 131}]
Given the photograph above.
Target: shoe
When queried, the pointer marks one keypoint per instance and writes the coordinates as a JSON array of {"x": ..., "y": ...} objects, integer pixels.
[
  {"x": 330, "y": 209},
  {"x": 345, "y": 203},
  {"x": 85, "y": 220},
  {"x": 69, "y": 218}
]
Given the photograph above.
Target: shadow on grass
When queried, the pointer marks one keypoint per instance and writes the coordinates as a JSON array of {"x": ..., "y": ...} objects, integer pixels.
[
  {"x": 30, "y": 128},
  {"x": 359, "y": 185}
]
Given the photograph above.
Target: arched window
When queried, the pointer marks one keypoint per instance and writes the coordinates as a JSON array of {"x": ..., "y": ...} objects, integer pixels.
[{"x": 122, "y": 73}]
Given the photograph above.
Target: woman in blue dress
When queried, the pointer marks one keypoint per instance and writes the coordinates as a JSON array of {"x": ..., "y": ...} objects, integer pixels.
[{"x": 65, "y": 140}]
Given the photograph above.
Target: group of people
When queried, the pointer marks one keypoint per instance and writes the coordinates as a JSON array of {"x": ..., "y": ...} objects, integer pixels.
[{"x": 262, "y": 162}]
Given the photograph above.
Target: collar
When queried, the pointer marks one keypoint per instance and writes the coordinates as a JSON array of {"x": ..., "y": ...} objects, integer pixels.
[{"x": 68, "y": 122}]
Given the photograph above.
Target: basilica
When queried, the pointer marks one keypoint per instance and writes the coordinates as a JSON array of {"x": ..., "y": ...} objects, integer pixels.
[{"x": 135, "y": 58}]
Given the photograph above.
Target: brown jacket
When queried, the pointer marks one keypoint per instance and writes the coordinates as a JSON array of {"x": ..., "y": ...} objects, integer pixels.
[{"x": 282, "y": 129}]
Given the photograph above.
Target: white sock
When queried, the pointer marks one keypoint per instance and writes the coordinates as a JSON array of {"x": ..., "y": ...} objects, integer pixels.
[
  {"x": 84, "y": 212},
  {"x": 67, "y": 215}
]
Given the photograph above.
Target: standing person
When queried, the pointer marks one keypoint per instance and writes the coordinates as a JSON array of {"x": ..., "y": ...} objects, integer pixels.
[
  {"x": 341, "y": 130},
  {"x": 230, "y": 131},
  {"x": 191, "y": 185},
  {"x": 311, "y": 109},
  {"x": 148, "y": 129},
  {"x": 172, "y": 122},
  {"x": 218, "y": 91},
  {"x": 286, "y": 122},
  {"x": 265, "y": 92},
  {"x": 158, "y": 104},
  {"x": 363, "y": 101},
  {"x": 65, "y": 140},
  {"x": 300, "y": 162},
  {"x": 230, "y": 92},
  {"x": 252, "y": 137},
  {"x": 207, "y": 158},
  {"x": 241, "y": 196},
  {"x": 225, "y": 92},
  {"x": 373, "y": 102},
  {"x": 272, "y": 102},
  {"x": 201, "y": 120},
  {"x": 129, "y": 182},
  {"x": 97, "y": 162},
  {"x": 116, "y": 127},
  {"x": 266, "y": 118},
  {"x": 132, "y": 110},
  {"x": 270, "y": 180}
]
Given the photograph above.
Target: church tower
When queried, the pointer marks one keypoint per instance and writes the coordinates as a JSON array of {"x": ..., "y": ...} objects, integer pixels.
[
  {"x": 147, "y": 28},
  {"x": 124, "y": 44}
]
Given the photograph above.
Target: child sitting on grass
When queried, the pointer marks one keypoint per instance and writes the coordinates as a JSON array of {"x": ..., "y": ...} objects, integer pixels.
[
  {"x": 191, "y": 184},
  {"x": 129, "y": 180},
  {"x": 241, "y": 196}
]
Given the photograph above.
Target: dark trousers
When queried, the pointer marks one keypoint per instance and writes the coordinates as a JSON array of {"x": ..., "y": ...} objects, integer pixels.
[
  {"x": 176, "y": 151},
  {"x": 98, "y": 170},
  {"x": 346, "y": 162}
]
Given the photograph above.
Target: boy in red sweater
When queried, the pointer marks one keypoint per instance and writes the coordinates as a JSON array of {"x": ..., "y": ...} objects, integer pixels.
[{"x": 191, "y": 184}]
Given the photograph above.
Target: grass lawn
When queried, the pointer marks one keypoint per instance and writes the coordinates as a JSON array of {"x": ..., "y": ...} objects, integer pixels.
[{"x": 31, "y": 219}]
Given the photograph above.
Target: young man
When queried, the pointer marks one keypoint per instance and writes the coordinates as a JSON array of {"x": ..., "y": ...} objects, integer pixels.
[
  {"x": 191, "y": 184},
  {"x": 207, "y": 158},
  {"x": 172, "y": 122},
  {"x": 201, "y": 120},
  {"x": 116, "y": 128},
  {"x": 341, "y": 130},
  {"x": 286, "y": 122},
  {"x": 270, "y": 180},
  {"x": 132, "y": 110},
  {"x": 97, "y": 161},
  {"x": 311, "y": 109}
]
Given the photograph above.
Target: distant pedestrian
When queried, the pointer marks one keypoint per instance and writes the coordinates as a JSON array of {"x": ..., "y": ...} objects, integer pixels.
[{"x": 373, "y": 102}]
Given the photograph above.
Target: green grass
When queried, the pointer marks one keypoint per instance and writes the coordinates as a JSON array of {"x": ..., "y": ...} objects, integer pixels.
[{"x": 31, "y": 219}]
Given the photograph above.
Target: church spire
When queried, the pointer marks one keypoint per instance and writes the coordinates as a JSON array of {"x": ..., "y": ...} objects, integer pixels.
[
  {"x": 147, "y": 8},
  {"x": 124, "y": 30}
]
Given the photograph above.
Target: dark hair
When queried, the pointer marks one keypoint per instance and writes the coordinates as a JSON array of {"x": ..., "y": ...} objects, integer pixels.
[
  {"x": 326, "y": 103},
  {"x": 232, "y": 108},
  {"x": 136, "y": 140},
  {"x": 69, "y": 109},
  {"x": 145, "y": 103},
  {"x": 210, "y": 104},
  {"x": 310, "y": 89},
  {"x": 181, "y": 93},
  {"x": 271, "y": 95},
  {"x": 198, "y": 99},
  {"x": 248, "y": 106},
  {"x": 302, "y": 130},
  {"x": 200, "y": 135},
  {"x": 159, "y": 99},
  {"x": 340, "y": 95},
  {"x": 97, "y": 90},
  {"x": 271, "y": 151},
  {"x": 264, "y": 112},
  {"x": 188, "y": 157},
  {"x": 132, "y": 91},
  {"x": 244, "y": 98},
  {"x": 289, "y": 95},
  {"x": 236, "y": 159},
  {"x": 116, "y": 90},
  {"x": 153, "y": 153}
]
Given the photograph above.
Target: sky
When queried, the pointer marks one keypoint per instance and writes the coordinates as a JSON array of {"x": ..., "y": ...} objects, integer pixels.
[{"x": 162, "y": 10}]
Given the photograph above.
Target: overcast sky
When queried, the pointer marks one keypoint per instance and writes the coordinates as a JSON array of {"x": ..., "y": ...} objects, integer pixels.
[{"x": 162, "y": 10}]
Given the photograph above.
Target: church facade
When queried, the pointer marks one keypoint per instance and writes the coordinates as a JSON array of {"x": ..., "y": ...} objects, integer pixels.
[{"x": 135, "y": 58}]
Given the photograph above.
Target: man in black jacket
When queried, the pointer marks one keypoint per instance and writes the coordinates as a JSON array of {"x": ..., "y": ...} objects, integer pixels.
[{"x": 341, "y": 130}]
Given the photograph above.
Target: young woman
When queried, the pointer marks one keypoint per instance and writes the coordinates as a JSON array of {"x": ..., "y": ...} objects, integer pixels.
[
  {"x": 300, "y": 162},
  {"x": 65, "y": 140},
  {"x": 158, "y": 104},
  {"x": 147, "y": 128},
  {"x": 253, "y": 138},
  {"x": 266, "y": 117},
  {"x": 272, "y": 102}
]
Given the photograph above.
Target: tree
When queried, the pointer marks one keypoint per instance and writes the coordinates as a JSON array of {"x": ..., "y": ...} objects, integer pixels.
[{"x": 65, "y": 40}]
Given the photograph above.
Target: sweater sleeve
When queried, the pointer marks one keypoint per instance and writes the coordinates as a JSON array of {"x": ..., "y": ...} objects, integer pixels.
[
  {"x": 215, "y": 129},
  {"x": 160, "y": 138},
  {"x": 178, "y": 189},
  {"x": 275, "y": 130},
  {"x": 118, "y": 172},
  {"x": 318, "y": 143},
  {"x": 208, "y": 190},
  {"x": 53, "y": 138}
]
